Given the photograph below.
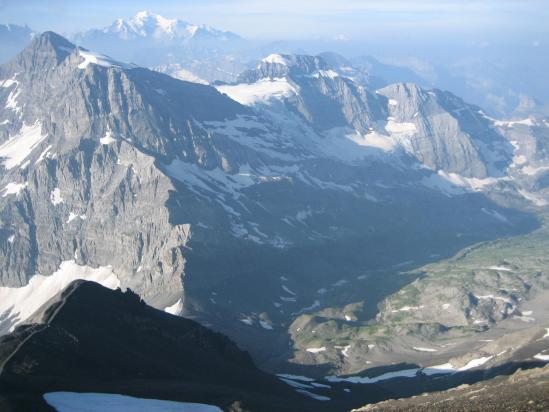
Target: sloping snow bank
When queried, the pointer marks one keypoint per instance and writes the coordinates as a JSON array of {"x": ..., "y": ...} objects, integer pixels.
[
  {"x": 20, "y": 146},
  {"x": 259, "y": 92},
  {"x": 100, "y": 60},
  {"x": 107, "y": 402}
]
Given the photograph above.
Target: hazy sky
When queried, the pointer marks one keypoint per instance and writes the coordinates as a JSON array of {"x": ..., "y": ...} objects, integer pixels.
[{"x": 481, "y": 20}]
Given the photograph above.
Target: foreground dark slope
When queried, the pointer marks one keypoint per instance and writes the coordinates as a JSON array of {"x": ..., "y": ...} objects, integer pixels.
[{"x": 92, "y": 339}]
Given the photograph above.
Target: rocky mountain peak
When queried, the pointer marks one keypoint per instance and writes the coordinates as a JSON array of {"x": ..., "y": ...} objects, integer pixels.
[
  {"x": 45, "y": 51},
  {"x": 288, "y": 65}
]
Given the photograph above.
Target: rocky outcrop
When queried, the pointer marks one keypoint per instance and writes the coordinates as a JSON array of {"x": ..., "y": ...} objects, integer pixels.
[
  {"x": 124, "y": 346},
  {"x": 445, "y": 133}
]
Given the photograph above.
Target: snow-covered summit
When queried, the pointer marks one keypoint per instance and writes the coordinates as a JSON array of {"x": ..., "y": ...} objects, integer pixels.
[
  {"x": 275, "y": 59},
  {"x": 150, "y": 25}
]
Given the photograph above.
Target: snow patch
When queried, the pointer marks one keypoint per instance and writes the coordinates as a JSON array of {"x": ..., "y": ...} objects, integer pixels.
[
  {"x": 176, "y": 308},
  {"x": 510, "y": 123},
  {"x": 212, "y": 182},
  {"x": 14, "y": 188},
  {"x": 73, "y": 216},
  {"x": 55, "y": 196},
  {"x": 298, "y": 385},
  {"x": 100, "y": 60},
  {"x": 108, "y": 402},
  {"x": 18, "y": 147},
  {"x": 526, "y": 319},
  {"x": 45, "y": 154},
  {"x": 407, "y": 309},
  {"x": 180, "y": 73},
  {"x": 438, "y": 369},
  {"x": 470, "y": 183},
  {"x": 261, "y": 91},
  {"x": 8, "y": 82},
  {"x": 419, "y": 349},
  {"x": 316, "y": 350},
  {"x": 275, "y": 59},
  {"x": 532, "y": 171},
  {"x": 374, "y": 139},
  {"x": 446, "y": 368},
  {"x": 108, "y": 138},
  {"x": 288, "y": 290},
  {"x": 500, "y": 268},
  {"x": 405, "y": 373},
  {"x": 295, "y": 377},
  {"x": 542, "y": 357},
  {"x": 265, "y": 325},
  {"x": 475, "y": 363},
  {"x": 400, "y": 128},
  {"x": 325, "y": 73},
  {"x": 11, "y": 102}
]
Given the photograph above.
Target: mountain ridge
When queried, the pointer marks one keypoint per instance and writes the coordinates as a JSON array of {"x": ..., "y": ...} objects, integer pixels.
[
  {"x": 162, "y": 185},
  {"x": 135, "y": 348}
]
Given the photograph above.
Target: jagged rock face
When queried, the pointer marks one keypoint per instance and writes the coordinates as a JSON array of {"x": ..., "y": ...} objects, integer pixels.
[
  {"x": 446, "y": 133},
  {"x": 110, "y": 212},
  {"x": 437, "y": 128},
  {"x": 100, "y": 131},
  {"x": 359, "y": 75},
  {"x": 324, "y": 99},
  {"x": 275, "y": 66}
]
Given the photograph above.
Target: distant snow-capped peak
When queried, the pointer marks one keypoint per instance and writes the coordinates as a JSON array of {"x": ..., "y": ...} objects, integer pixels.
[{"x": 147, "y": 24}]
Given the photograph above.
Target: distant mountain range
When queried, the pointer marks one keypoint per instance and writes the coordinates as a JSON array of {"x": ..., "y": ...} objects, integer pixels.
[
  {"x": 146, "y": 25},
  {"x": 205, "y": 54},
  {"x": 151, "y": 40}
]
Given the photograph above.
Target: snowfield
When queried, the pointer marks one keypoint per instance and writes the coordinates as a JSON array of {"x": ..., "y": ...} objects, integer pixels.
[
  {"x": 107, "y": 402},
  {"x": 259, "y": 92},
  {"x": 14, "y": 188},
  {"x": 20, "y": 146},
  {"x": 100, "y": 60}
]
